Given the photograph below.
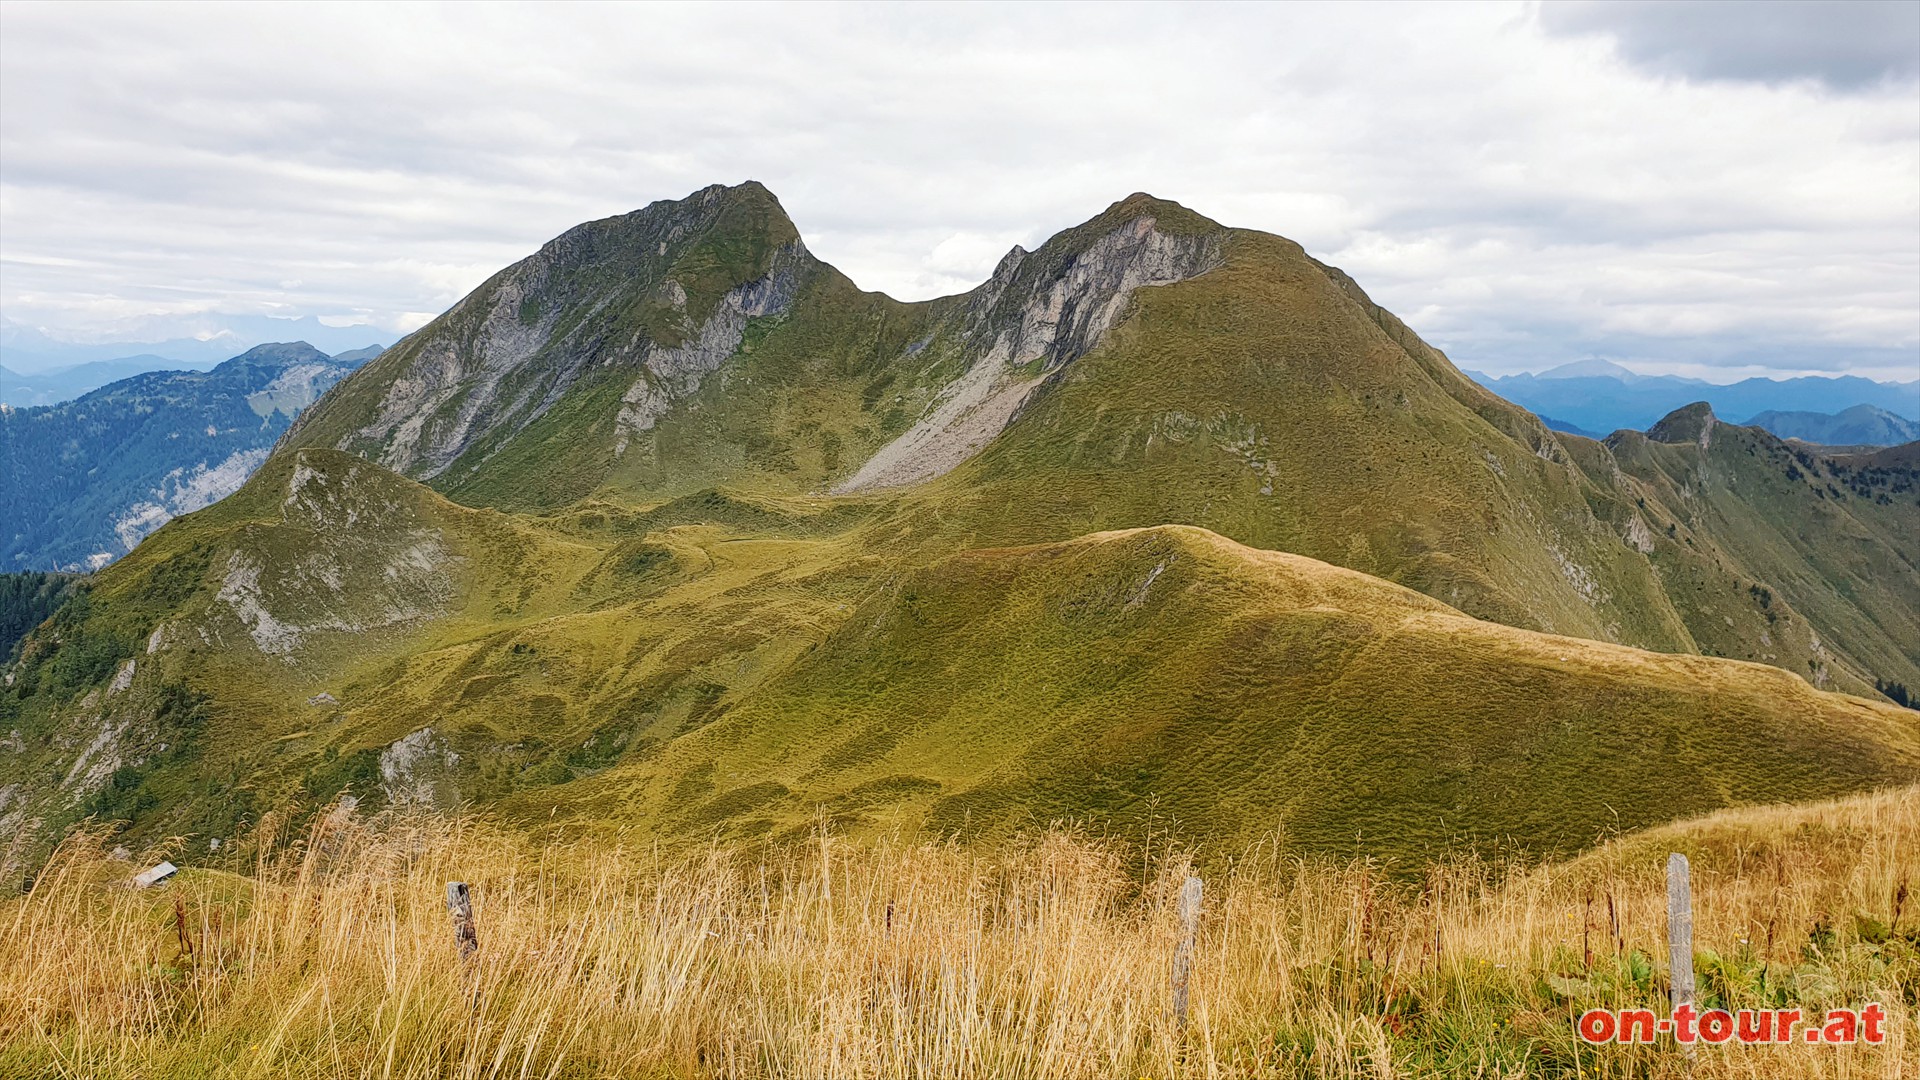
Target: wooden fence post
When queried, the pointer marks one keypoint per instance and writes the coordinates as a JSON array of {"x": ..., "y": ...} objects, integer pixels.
[
  {"x": 1679, "y": 930},
  {"x": 1189, "y": 911},
  {"x": 460, "y": 906}
]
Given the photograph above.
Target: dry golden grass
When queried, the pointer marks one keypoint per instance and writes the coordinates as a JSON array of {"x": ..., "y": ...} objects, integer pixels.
[{"x": 1045, "y": 958}]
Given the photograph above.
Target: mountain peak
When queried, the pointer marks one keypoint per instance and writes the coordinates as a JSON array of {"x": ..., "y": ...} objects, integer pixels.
[
  {"x": 1585, "y": 369},
  {"x": 279, "y": 353},
  {"x": 745, "y": 193},
  {"x": 1688, "y": 423},
  {"x": 639, "y": 307},
  {"x": 1142, "y": 200},
  {"x": 1168, "y": 216},
  {"x": 746, "y": 211}
]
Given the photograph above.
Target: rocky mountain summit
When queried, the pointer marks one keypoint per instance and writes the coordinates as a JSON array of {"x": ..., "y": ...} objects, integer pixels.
[{"x": 652, "y": 303}]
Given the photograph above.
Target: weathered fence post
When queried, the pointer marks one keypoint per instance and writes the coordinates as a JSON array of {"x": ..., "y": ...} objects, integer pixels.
[
  {"x": 1189, "y": 911},
  {"x": 460, "y": 906},
  {"x": 1679, "y": 930}
]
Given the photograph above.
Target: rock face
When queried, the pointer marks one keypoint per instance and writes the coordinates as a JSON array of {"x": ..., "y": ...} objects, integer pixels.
[
  {"x": 673, "y": 373},
  {"x": 652, "y": 301},
  {"x": 1037, "y": 314},
  {"x": 416, "y": 771}
]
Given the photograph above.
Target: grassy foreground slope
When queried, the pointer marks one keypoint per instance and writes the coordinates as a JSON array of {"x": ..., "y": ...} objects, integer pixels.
[{"x": 1045, "y": 956}]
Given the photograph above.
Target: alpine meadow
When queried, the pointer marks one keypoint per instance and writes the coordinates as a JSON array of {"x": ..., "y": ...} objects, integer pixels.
[{"x": 811, "y": 683}]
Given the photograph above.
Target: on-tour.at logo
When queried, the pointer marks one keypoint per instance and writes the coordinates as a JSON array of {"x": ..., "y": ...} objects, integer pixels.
[{"x": 1840, "y": 1027}]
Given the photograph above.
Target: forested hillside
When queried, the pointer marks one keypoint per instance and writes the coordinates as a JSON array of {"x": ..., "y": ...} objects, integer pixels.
[
  {"x": 85, "y": 480},
  {"x": 27, "y": 599}
]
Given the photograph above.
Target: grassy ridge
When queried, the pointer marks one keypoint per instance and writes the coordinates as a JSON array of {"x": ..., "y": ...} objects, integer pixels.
[{"x": 1171, "y": 677}]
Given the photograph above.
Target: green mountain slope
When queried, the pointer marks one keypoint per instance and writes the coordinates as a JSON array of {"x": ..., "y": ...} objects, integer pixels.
[
  {"x": 1169, "y": 674},
  {"x": 174, "y": 685},
  {"x": 1147, "y": 367},
  {"x": 1834, "y": 539},
  {"x": 1270, "y": 401},
  {"x": 671, "y": 525},
  {"x": 635, "y": 670}
]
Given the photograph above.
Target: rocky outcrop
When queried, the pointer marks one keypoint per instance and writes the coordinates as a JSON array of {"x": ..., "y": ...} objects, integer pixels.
[
  {"x": 1054, "y": 307},
  {"x": 1037, "y": 314},
  {"x": 354, "y": 553},
  {"x": 417, "y": 771},
  {"x": 432, "y": 410},
  {"x": 670, "y": 374},
  {"x": 1687, "y": 424},
  {"x": 660, "y": 296}
]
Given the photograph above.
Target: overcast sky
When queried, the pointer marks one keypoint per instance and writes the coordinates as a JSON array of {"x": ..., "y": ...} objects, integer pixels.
[{"x": 1712, "y": 189}]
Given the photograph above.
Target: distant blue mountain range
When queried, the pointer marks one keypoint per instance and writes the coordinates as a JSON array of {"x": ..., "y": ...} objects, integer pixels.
[
  {"x": 1862, "y": 425},
  {"x": 83, "y": 481},
  {"x": 1596, "y": 397},
  {"x": 21, "y": 389},
  {"x": 28, "y": 350}
]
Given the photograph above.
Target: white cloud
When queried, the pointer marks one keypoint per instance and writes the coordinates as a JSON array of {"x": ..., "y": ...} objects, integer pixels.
[{"x": 1523, "y": 197}]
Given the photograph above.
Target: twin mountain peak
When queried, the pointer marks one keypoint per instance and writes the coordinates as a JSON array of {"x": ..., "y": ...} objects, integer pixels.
[
  {"x": 1146, "y": 367},
  {"x": 585, "y": 348}
]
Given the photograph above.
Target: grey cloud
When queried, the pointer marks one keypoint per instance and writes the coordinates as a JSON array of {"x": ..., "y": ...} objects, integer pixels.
[
  {"x": 1843, "y": 43},
  {"x": 1504, "y": 188}
]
